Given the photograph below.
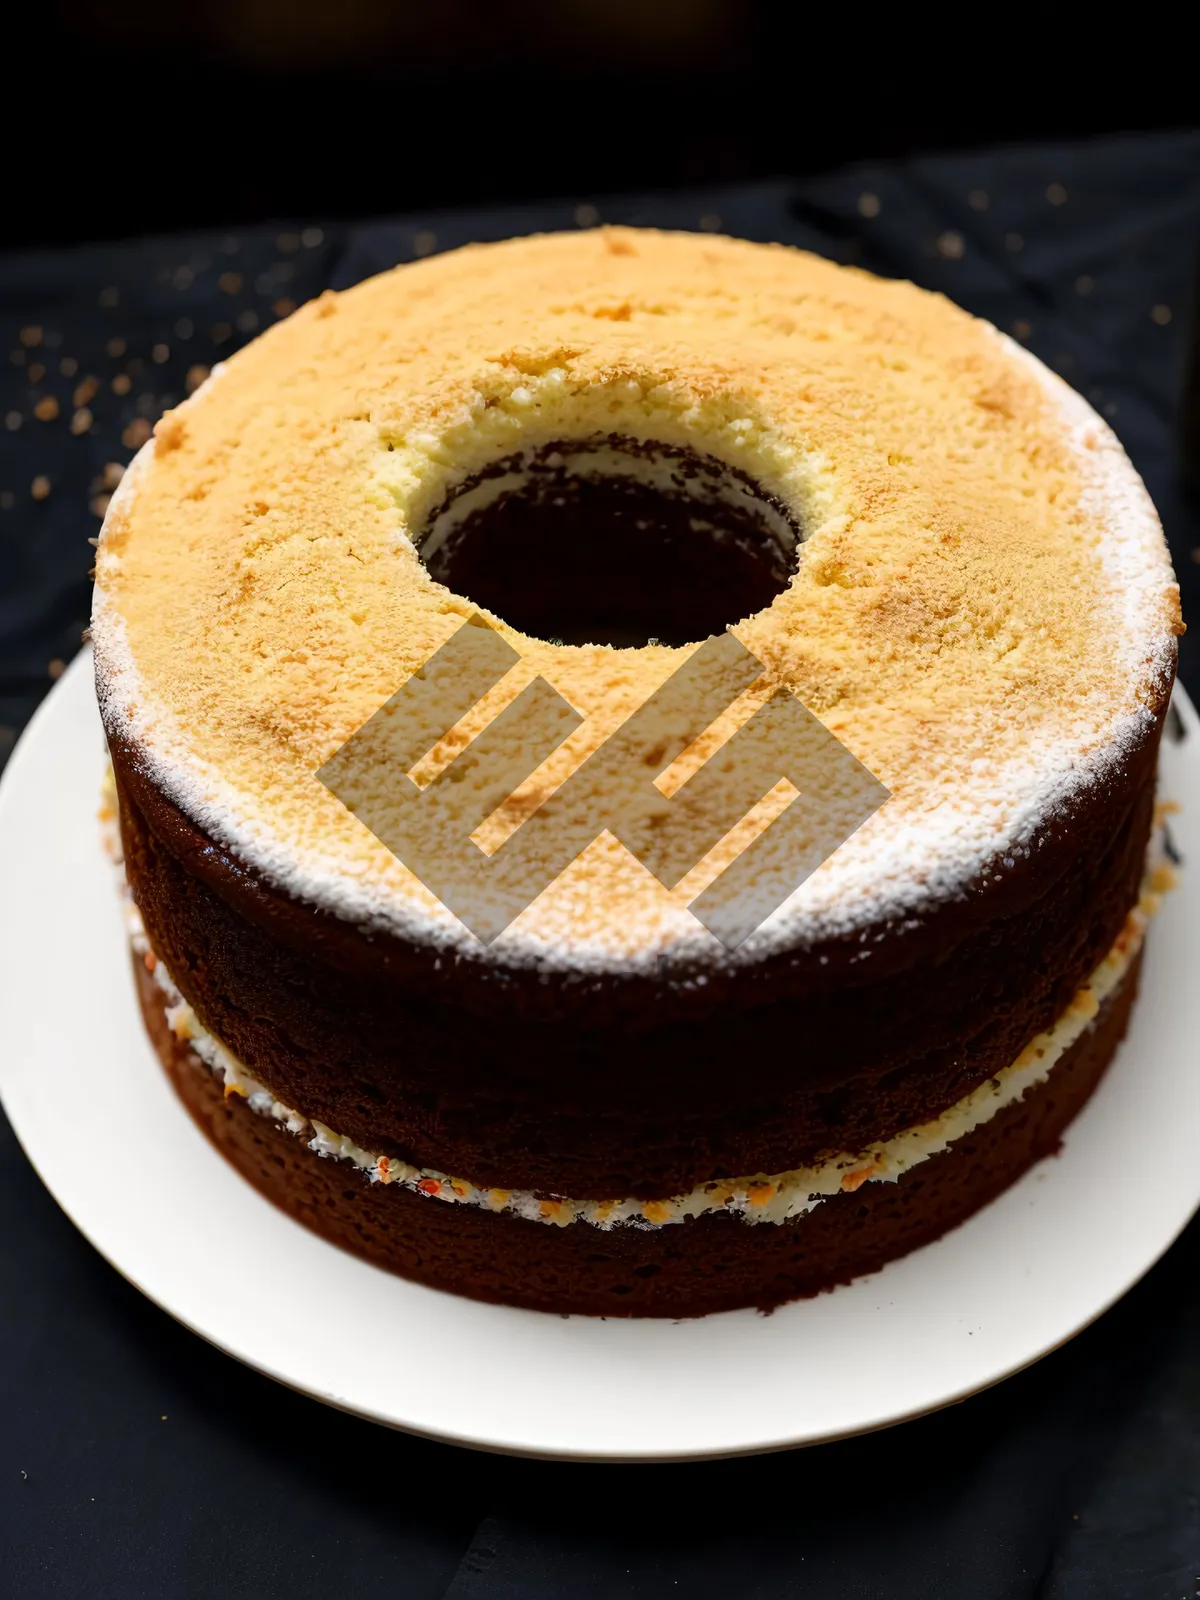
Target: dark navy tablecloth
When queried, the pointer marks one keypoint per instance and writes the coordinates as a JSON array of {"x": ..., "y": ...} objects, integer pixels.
[{"x": 135, "y": 1460}]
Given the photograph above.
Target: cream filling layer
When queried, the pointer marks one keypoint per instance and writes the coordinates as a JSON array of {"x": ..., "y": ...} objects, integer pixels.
[{"x": 763, "y": 1197}]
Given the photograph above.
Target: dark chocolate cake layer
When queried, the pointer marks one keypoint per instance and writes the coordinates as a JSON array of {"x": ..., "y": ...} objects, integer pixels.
[
  {"x": 713, "y": 1263},
  {"x": 590, "y": 558},
  {"x": 628, "y": 1086}
]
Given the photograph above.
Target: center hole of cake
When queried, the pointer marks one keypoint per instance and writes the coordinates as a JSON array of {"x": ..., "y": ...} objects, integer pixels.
[{"x": 613, "y": 541}]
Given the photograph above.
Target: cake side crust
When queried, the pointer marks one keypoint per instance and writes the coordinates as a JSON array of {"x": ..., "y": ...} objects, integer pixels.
[
  {"x": 712, "y": 1263},
  {"x": 579, "y": 1092}
]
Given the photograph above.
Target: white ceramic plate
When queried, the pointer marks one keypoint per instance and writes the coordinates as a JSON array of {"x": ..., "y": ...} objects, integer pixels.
[{"x": 101, "y": 1124}]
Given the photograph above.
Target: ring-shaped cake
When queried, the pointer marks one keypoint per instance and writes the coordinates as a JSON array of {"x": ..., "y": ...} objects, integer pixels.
[{"x": 607, "y": 447}]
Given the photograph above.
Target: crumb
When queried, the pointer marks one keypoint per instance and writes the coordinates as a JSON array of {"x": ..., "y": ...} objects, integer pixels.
[
  {"x": 616, "y": 243},
  {"x": 136, "y": 434},
  {"x": 169, "y": 431}
]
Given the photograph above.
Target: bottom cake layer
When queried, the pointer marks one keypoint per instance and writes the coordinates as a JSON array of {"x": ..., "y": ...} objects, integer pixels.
[{"x": 715, "y": 1262}]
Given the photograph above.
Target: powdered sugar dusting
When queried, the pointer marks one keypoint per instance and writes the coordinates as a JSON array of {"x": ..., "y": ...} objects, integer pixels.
[{"x": 1131, "y": 547}]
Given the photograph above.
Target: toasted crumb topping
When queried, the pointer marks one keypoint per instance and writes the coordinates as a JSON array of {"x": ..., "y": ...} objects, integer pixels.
[{"x": 983, "y": 609}]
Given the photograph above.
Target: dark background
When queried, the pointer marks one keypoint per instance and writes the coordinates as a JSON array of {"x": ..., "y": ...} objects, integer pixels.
[
  {"x": 129, "y": 117},
  {"x": 175, "y": 178}
]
